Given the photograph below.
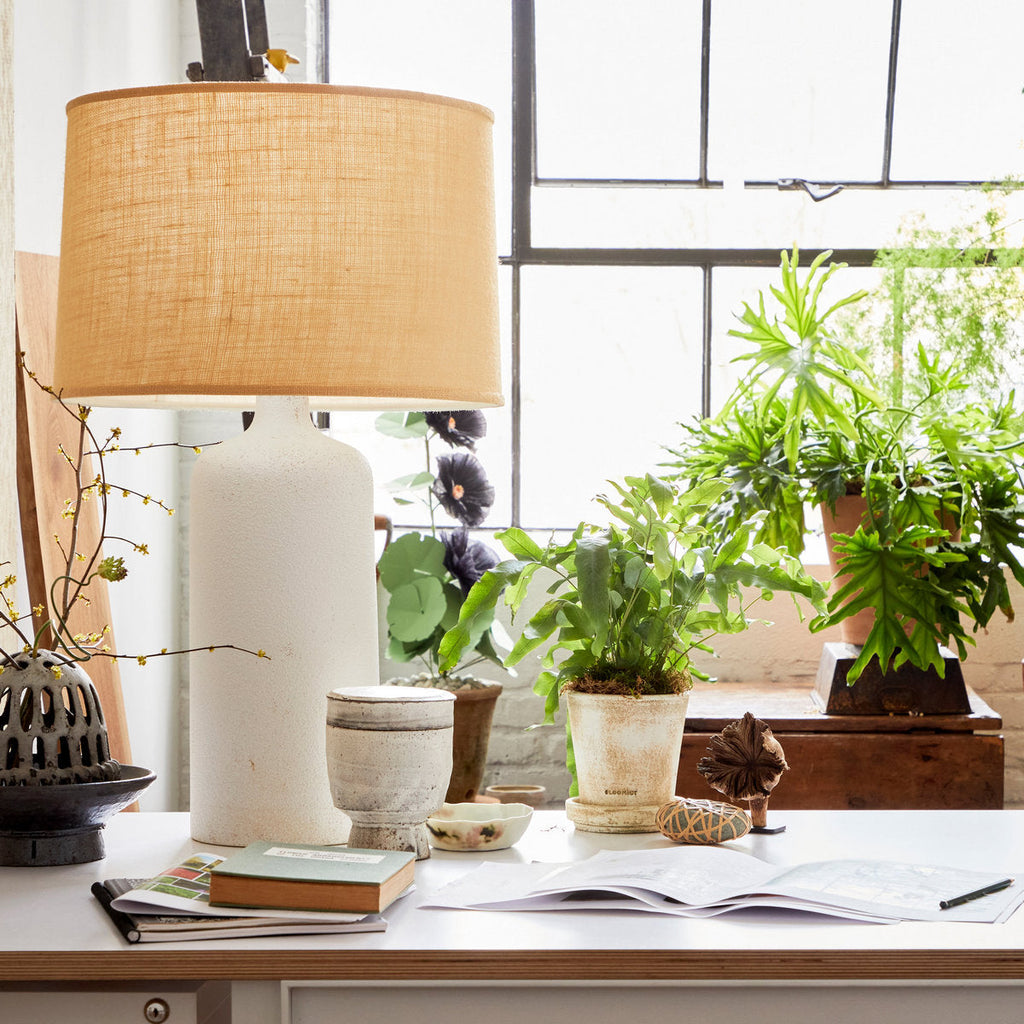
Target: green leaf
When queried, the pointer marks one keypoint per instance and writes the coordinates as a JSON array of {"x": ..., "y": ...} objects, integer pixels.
[
  {"x": 401, "y": 424},
  {"x": 546, "y": 686},
  {"x": 411, "y": 482},
  {"x": 416, "y": 609},
  {"x": 593, "y": 571},
  {"x": 480, "y": 601},
  {"x": 520, "y": 544},
  {"x": 408, "y": 557},
  {"x": 662, "y": 494},
  {"x": 403, "y": 652},
  {"x": 541, "y": 625}
]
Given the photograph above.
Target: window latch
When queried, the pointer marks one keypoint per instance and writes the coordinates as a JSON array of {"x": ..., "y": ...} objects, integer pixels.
[{"x": 815, "y": 189}]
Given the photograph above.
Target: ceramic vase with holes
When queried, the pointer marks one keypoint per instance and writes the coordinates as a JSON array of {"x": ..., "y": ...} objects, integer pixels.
[
  {"x": 627, "y": 758},
  {"x": 389, "y": 759},
  {"x": 58, "y": 783}
]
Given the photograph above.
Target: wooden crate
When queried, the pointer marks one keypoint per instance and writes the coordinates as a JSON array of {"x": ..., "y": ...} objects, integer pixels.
[{"x": 865, "y": 762}]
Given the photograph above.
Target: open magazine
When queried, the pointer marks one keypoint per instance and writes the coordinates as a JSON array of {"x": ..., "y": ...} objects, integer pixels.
[
  {"x": 175, "y": 906},
  {"x": 701, "y": 881}
]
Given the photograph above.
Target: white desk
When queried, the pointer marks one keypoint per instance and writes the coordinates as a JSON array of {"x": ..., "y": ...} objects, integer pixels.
[{"x": 528, "y": 966}]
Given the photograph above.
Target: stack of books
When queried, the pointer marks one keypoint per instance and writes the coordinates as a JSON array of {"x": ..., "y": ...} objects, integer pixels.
[{"x": 264, "y": 889}]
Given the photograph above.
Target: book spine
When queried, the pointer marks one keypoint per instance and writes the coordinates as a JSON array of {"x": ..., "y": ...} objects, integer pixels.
[{"x": 123, "y": 922}]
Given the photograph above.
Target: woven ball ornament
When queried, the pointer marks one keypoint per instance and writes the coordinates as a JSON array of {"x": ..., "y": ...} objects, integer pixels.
[{"x": 701, "y": 822}]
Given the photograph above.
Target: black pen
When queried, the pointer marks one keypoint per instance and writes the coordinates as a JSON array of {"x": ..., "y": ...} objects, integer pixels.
[{"x": 977, "y": 894}]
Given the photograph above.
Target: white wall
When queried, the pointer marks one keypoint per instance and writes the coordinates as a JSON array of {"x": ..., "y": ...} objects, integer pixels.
[
  {"x": 64, "y": 48},
  {"x": 8, "y": 505}
]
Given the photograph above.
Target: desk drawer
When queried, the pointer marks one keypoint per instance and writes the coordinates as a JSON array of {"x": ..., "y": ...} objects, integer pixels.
[
  {"x": 529, "y": 1002},
  {"x": 118, "y": 1003},
  {"x": 872, "y": 771}
]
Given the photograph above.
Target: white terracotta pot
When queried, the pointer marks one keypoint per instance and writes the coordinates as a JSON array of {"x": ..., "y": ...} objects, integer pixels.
[{"x": 627, "y": 758}]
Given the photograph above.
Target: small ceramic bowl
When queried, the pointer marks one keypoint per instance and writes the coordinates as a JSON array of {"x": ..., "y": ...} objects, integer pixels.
[
  {"x": 523, "y": 794},
  {"x": 478, "y": 826}
]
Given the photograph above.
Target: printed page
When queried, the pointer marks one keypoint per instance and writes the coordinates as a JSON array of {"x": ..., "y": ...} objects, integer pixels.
[
  {"x": 699, "y": 881},
  {"x": 697, "y": 876},
  {"x": 908, "y": 891}
]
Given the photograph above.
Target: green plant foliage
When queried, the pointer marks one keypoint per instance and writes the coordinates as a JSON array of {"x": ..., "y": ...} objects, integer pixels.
[
  {"x": 629, "y": 603},
  {"x": 426, "y": 574},
  {"x": 941, "y": 472}
]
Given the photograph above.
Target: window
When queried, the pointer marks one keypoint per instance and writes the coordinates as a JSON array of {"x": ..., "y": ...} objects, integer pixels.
[{"x": 653, "y": 158}]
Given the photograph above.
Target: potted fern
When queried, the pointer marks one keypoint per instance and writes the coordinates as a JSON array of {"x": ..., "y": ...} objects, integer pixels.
[
  {"x": 629, "y": 604},
  {"x": 932, "y": 487}
]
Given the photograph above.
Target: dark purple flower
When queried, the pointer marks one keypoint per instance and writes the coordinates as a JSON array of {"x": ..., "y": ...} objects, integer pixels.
[
  {"x": 467, "y": 560},
  {"x": 461, "y": 428},
  {"x": 462, "y": 489}
]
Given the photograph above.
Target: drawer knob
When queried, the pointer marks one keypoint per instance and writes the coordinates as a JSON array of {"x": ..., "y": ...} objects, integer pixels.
[{"x": 156, "y": 1011}]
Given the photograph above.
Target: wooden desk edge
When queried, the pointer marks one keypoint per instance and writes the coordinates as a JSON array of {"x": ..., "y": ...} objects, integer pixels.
[{"x": 511, "y": 965}]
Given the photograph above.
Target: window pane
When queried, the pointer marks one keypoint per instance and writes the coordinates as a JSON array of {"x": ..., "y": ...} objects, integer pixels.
[
  {"x": 798, "y": 89},
  {"x": 959, "y": 108},
  {"x": 610, "y": 363},
  {"x": 460, "y": 48},
  {"x": 729, "y": 218},
  {"x": 618, "y": 88}
]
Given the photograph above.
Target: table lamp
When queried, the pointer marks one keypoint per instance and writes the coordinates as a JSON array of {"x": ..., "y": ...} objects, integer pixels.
[{"x": 276, "y": 247}]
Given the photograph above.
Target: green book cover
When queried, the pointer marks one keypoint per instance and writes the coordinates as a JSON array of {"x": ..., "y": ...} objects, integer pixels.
[{"x": 296, "y": 862}]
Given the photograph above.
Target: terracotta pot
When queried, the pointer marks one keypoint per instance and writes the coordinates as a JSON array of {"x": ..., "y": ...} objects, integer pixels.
[
  {"x": 474, "y": 712},
  {"x": 851, "y": 511},
  {"x": 627, "y": 758}
]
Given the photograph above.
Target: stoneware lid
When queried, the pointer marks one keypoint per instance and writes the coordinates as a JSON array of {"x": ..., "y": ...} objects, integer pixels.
[{"x": 390, "y": 707}]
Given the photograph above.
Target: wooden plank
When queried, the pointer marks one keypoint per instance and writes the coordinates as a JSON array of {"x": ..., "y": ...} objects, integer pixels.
[
  {"x": 872, "y": 771},
  {"x": 792, "y": 708},
  {"x": 45, "y": 480}
]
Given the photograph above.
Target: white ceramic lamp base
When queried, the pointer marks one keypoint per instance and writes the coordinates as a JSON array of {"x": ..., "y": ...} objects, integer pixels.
[{"x": 281, "y": 560}]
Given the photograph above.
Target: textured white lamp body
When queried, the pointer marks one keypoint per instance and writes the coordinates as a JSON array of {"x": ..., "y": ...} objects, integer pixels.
[{"x": 281, "y": 559}]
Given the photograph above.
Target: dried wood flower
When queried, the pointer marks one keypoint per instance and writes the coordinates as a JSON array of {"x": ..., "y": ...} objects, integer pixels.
[{"x": 745, "y": 762}]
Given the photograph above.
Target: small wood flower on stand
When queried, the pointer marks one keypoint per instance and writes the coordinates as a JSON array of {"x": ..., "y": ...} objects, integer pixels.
[{"x": 745, "y": 762}]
